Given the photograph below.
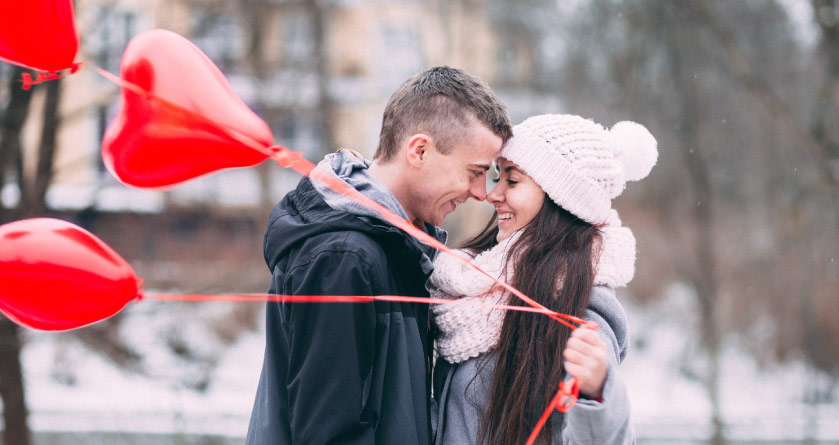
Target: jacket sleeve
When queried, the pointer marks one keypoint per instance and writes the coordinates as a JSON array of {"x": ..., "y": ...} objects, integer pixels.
[
  {"x": 331, "y": 348},
  {"x": 604, "y": 422}
]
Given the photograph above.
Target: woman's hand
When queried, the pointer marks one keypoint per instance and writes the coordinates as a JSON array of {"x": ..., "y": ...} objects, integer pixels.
[{"x": 585, "y": 359}]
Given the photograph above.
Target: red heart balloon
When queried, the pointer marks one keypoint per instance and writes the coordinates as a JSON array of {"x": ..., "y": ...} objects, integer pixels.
[
  {"x": 39, "y": 34},
  {"x": 55, "y": 275},
  {"x": 189, "y": 124}
]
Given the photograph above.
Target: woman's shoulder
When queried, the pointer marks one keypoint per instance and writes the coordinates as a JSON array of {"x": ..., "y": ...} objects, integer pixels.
[
  {"x": 604, "y": 298},
  {"x": 605, "y": 309}
]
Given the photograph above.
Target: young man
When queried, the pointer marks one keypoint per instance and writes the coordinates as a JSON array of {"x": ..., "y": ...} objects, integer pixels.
[{"x": 360, "y": 373}]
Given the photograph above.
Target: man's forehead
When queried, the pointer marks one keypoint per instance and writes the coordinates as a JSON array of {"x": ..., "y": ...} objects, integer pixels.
[{"x": 481, "y": 143}]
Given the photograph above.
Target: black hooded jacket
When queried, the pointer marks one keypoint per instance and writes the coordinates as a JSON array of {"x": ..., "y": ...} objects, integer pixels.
[{"x": 340, "y": 372}]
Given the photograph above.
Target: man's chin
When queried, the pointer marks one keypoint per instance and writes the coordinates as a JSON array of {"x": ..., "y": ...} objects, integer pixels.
[{"x": 438, "y": 220}]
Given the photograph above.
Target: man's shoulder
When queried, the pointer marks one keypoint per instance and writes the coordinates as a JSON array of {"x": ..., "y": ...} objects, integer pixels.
[
  {"x": 345, "y": 241},
  {"x": 332, "y": 252},
  {"x": 302, "y": 224}
]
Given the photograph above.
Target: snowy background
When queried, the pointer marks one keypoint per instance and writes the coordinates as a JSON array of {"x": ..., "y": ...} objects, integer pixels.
[
  {"x": 72, "y": 389},
  {"x": 741, "y": 211}
]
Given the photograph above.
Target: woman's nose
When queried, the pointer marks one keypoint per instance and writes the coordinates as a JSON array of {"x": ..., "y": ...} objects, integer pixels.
[{"x": 496, "y": 195}]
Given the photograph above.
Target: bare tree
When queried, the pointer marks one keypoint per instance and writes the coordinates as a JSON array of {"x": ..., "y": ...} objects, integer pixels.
[
  {"x": 703, "y": 275},
  {"x": 15, "y": 413},
  {"x": 31, "y": 203},
  {"x": 35, "y": 198},
  {"x": 819, "y": 194},
  {"x": 745, "y": 196},
  {"x": 11, "y": 380},
  {"x": 320, "y": 59}
]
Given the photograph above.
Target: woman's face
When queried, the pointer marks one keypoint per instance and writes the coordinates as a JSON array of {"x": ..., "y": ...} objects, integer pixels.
[{"x": 516, "y": 198}]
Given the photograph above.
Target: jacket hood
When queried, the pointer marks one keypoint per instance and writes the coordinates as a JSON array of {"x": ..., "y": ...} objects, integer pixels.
[
  {"x": 304, "y": 213},
  {"x": 349, "y": 167}
]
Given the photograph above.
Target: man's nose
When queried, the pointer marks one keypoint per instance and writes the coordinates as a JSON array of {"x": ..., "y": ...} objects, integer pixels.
[{"x": 478, "y": 190}]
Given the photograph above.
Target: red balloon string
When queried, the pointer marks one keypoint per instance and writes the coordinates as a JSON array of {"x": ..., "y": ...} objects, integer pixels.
[
  {"x": 565, "y": 398},
  {"x": 568, "y": 320},
  {"x": 563, "y": 401},
  {"x": 295, "y": 160}
]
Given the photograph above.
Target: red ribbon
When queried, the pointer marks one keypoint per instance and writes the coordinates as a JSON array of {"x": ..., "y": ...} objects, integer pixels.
[
  {"x": 565, "y": 398},
  {"x": 295, "y": 161},
  {"x": 568, "y": 320}
]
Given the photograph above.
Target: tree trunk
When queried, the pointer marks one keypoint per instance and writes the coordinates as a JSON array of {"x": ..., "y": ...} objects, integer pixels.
[
  {"x": 15, "y": 413},
  {"x": 705, "y": 279},
  {"x": 16, "y": 431},
  {"x": 10, "y": 129},
  {"x": 703, "y": 275},
  {"x": 326, "y": 109},
  {"x": 32, "y": 203},
  {"x": 36, "y": 203}
]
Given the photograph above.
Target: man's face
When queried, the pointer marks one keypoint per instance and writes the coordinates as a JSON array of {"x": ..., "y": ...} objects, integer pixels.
[{"x": 448, "y": 180}]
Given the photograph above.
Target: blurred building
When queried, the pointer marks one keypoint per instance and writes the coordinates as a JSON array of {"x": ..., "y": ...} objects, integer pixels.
[{"x": 318, "y": 72}]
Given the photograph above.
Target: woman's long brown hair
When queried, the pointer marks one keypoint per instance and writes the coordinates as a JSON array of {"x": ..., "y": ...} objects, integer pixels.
[{"x": 552, "y": 263}]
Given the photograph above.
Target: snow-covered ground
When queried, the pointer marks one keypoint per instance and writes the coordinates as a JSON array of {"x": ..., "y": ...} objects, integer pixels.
[
  {"x": 757, "y": 404},
  {"x": 71, "y": 388}
]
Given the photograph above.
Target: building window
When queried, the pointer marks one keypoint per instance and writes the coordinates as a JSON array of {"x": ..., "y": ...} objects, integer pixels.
[
  {"x": 219, "y": 36},
  {"x": 398, "y": 56},
  {"x": 108, "y": 36},
  {"x": 298, "y": 40}
]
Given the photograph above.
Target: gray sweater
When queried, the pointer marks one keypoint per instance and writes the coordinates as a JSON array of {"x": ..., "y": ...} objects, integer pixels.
[{"x": 461, "y": 404}]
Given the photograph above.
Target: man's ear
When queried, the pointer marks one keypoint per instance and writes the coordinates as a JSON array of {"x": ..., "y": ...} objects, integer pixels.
[{"x": 418, "y": 146}]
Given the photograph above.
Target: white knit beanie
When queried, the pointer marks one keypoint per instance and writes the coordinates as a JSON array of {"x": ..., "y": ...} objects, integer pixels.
[{"x": 578, "y": 163}]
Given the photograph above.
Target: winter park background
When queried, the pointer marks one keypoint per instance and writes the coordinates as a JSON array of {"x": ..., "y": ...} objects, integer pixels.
[{"x": 734, "y": 308}]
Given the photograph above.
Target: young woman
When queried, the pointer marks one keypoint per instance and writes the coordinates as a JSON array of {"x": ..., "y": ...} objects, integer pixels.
[{"x": 556, "y": 238}]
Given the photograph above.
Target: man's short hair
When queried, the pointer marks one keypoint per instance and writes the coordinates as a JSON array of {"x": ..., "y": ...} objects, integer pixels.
[{"x": 442, "y": 102}]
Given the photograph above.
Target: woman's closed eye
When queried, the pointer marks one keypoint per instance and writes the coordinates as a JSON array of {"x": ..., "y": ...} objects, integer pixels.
[{"x": 508, "y": 181}]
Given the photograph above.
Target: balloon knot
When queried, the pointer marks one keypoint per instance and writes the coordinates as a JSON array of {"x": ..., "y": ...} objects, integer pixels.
[
  {"x": 285, "y": 157},
  {"x": 45, "y": 76},
  {"x": 26, "y": 78},
  {"x": 140, "y": 288},
  {"x": 569, "y": 392}
]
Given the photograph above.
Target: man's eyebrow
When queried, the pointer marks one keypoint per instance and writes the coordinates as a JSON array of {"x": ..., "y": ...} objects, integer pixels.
[{"x": 484, "y": 167}]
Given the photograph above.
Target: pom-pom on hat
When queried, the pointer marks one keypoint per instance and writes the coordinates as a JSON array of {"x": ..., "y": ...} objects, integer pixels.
[{"x": 578, "y": 163}]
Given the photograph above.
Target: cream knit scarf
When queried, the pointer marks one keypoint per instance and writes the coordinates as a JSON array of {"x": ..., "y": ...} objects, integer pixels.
[{"x": 468, "y": 331}]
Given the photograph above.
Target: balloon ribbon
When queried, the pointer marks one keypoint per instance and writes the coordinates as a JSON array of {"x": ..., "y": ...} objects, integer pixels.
[
  {"x": 566, "y": 397},
  {"x": 568, "y": 320},
  {"x": 290, "y": 159}
]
